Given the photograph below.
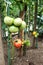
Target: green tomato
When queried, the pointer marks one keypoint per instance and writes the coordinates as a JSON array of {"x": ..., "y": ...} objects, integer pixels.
[
  {"x": 13, "y": 29},
  {"x": 8, "y": 20},
  {"x": 23, "y": 25},
  {"x": 27, "y": 42},
  {"x": 17, "y": 21},
  {"x": 37, "y": 35}
]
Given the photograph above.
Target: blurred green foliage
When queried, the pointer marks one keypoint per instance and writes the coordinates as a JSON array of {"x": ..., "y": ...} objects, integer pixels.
[{"x": 18, "y": 5}]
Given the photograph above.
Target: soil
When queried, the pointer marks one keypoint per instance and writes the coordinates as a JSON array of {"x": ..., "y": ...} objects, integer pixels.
[{"x": 32, "y": 57}]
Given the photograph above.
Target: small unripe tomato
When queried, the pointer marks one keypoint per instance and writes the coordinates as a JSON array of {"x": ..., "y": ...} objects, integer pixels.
[
  {"x": 34, "y": 33},
  {"x": 17, "y": 43}
]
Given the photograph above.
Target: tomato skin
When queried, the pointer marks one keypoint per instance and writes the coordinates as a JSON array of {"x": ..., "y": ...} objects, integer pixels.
[
  {"x": 23, "y": 25},
  {"x": 17, "y": 21},
  {"x": 34, "y": 33},
  {"x": 8, "y": 20},
  {"x": 18, "y": 43},
  {"x": 13, "y": 29}
]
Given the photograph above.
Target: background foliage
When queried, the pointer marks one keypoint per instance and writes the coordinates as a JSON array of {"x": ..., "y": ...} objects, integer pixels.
[{"x": 18, "y": 5}]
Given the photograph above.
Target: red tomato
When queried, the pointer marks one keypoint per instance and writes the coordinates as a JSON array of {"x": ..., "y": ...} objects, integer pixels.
[{"x": 18, "y": 43}]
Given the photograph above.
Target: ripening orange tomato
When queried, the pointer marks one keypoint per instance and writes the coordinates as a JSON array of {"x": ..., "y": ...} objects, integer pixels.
[{"x": 17, "y": 43}]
